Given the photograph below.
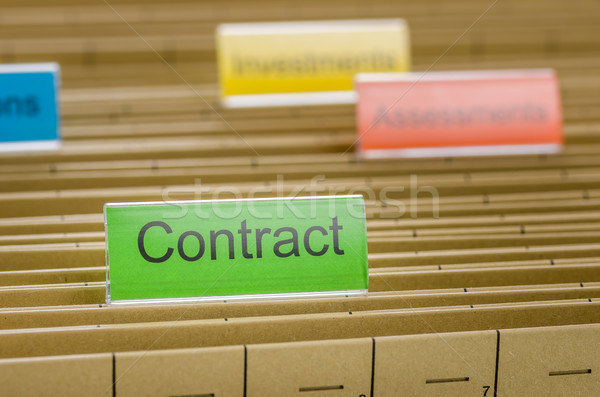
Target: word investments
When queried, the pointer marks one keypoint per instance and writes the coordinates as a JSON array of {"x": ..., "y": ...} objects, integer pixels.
[{"x": 286, "y": 245}]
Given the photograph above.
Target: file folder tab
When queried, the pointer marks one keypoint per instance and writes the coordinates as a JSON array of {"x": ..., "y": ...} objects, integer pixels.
[
  {"x": 465, "y": 113},
  {"x": 233, "y": 249},
  {"x": 312, "y": 62},
  {"x": 29, "y": 112}
]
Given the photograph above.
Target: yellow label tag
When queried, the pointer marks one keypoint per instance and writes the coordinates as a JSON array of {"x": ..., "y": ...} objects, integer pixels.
[{"x": 298, "y": 62}]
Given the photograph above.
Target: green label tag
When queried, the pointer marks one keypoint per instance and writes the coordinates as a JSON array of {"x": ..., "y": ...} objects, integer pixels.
[{"x": 228, "y": 248}]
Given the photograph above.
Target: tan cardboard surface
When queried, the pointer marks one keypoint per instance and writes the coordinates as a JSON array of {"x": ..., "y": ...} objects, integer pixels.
[
  {"x": 216, "y": 372},
  {"x": 557, "y": 361},
  {"x": 255, "y": 330},
  {"x": 52, "y": 276},
  {"x": 52, "y": 295},
  {"x": 102, "y": 314},
  {"x": 486, "y": 277},
  {"x": 310, "y": 368},
  {"x": 57, "y": 376},
  {"x": 48, "y": 256},
  {"x": 459, "y": 364}
]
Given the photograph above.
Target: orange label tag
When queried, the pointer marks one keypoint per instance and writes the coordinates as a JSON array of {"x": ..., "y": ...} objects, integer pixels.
[{"x": 458, "y": 113}]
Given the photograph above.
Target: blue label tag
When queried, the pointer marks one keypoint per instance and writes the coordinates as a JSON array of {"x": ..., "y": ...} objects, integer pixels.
[{"x": 29, "y": 113}]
